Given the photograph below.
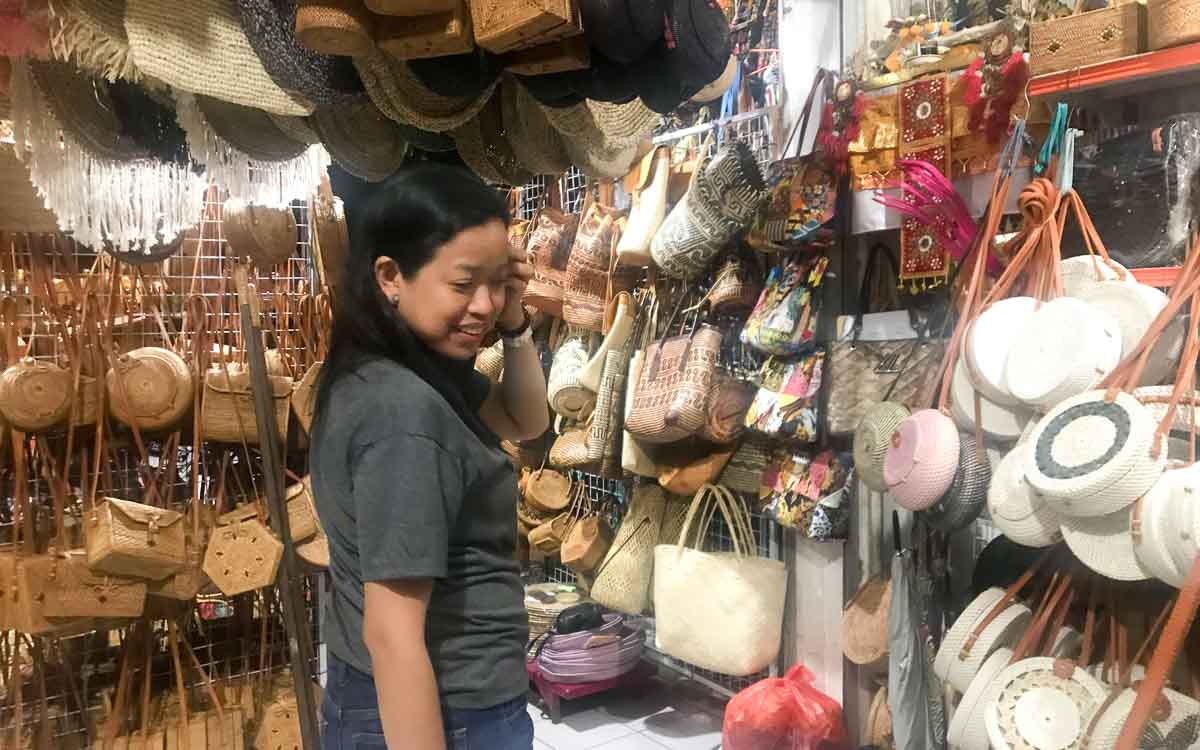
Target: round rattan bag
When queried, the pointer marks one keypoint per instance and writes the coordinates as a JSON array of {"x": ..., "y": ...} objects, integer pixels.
[
  {"x": 267, "y": 235},
  {"x": 922, "y": 460},
  {"x": 968, "y": 492},
  {"x": 1015, "y": 509},
  {"x": 1092, "y": 457},
  {"x": 35, "y": 395},
  {"x": 1002, "y": 423},
  {"x": 1043, "y": 703},
  {"x": 872, "y": 439},
  {"x": 1153, "y": 525},
  {"x": 967, "y": 729},
  {"x": 956, "y": 662},
  {"x": 151, "y": 387}
]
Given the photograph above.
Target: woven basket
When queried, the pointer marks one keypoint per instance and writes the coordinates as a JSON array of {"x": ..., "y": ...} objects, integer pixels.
[
  {"x": 227, "y": 414},
  {"x": 184, "y": 585},
  {"x": 26, "y": 607},
  {"x": 547, "y": 491},
  {"x": 447, "y": 32},
  {"x": 1172, "y": 22},
  {"x": 75, "y": 591},
  {"x": 243, "y": 556},
  {"x": 302, "y": 511},
  {"x": 267, "y": 235},
  {"x": 586, "y": 544},
  {"x": 1086, "y": 39},
  {"x": 35, "y": 395},
  {"x": 335, "y": 27},
  {"x": 505, "y": 26},
  {"x": 570, "y": 451},
  {"x": 865, "y": 622},
  {"x": 130, "y": 539},
  {"x": 151, "y": 387}
]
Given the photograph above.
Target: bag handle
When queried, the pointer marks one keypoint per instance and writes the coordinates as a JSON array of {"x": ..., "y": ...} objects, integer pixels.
[
  {"x": 738, "y": 524},
  {"x": 1010, "y": 594},
  {"x": 1060, "y": 586},
  {"x": 802, "y": 122}
]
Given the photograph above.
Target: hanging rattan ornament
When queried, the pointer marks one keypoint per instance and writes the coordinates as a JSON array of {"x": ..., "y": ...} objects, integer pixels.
[
  {"x": 259, "y": 174},
  {"x": 243, "y": 556},
  {"x": 98, "y": 190}
]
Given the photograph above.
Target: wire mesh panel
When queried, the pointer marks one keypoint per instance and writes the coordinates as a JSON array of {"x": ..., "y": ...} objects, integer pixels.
[{"x": 752, "y": 128}]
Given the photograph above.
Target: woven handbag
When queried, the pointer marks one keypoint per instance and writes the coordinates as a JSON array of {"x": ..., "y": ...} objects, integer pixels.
[
  {"x": 736, "y": 288},
  {"x": 586, "y": 544},
  {"x": 150, "y": 387},
  {"x": 35, "y": 395},
  {"x": 570, "y": 449},
  {"x": 73, "y": 590},
  {"x": 568, "y": 398},
  {"x": 604, "y": 432},
  {"x": 672, "y": 391},
  {"x": 267, "y": 235},
  {"x": 548, "y": 537},
  {"x": 729, "y": 399},
  {"x": 744, "y": 472},
  {"x": 301, "y": 510},
  {"x": 623, "y": 579},
  {"x": 548, "y": 491},
  {"x": 967, "y": 496},
  {"x": 587, "y": 281},
  {"x": 548, "y": 248},
  {"x": 125, "y": 538},
  {"x": 504, "y": 27},
  {"x": 243, "y": 556},
  {"x": 228, "y": 405}
]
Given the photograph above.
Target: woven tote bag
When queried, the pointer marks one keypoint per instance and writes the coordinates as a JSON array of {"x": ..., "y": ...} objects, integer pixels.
[
  {"x": 586, "y": 282},
  {"x": 227, "y": 414},
  {"x": 125, "y": 538},
  {"x": 672, "y": 391},
  {"x": 604, "y": 432},
  {"x": 634, "y": 458},
  {"x": 702, "y": 597},
  {"x": 548, "y": 248},
  {"x": 623, "y": 578}
]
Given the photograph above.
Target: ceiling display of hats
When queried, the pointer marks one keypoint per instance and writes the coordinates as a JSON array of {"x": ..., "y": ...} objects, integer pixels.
[
  {"x": 91, "y": 35},
  {"x": 361, "y": 140},
  {"x": 247, "y": 152},
  {"x": 88, "y": 170}
]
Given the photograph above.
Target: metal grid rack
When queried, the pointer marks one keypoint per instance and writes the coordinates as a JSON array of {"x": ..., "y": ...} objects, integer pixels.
[
  {"x": 572, "y": 186},
  {"x": 752, "y": 128},
  {"x": 236, "y": 639}
]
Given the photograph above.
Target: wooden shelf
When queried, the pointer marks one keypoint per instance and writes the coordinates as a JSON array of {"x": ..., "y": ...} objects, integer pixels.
[{"x": 1164, "y": 68}]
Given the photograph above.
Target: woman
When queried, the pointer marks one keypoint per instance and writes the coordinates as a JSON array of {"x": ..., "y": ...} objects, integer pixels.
[{"x": 426, "y": 623}]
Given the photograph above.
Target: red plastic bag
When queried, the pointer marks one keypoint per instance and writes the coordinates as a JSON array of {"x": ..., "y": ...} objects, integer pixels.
[{"x": 784, "y": 713}]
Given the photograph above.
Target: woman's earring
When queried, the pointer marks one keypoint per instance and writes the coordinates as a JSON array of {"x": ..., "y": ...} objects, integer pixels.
[{"x": 394, "y": 299}]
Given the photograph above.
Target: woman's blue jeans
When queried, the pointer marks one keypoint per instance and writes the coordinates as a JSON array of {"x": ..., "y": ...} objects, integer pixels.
[{"x": 350, "y": 718}]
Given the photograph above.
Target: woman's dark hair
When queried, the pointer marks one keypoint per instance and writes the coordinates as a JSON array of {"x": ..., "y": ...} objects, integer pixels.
[{"x": 407, "y": 218}]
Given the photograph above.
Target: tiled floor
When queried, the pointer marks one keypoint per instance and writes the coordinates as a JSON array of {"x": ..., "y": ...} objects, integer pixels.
[{"x": 665, "y": 713}]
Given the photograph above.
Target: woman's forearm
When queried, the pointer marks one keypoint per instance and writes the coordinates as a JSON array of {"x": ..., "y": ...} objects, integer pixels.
[
  {"x": 523, "y": 388},
  {"x": 408, "y": 697}
]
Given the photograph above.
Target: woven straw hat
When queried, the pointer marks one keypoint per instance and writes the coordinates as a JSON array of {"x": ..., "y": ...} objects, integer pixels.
[
  {"x": 1038, "y": 707},
  {"x": 959, "y": 669},
  {"x": 249, "y": 130},
  {"x": 1015, "y": 509},
  {"x": 566, "y": 396},
  {"x": 91, "y": 34},
  {"x": 1002, "y": 423},
  {"x": 534, "y": 141},
  {"x": 1105, "y": 544},
  {"x": 84, "y": 110},
  {"x": 922, "y": 459},
  {"x": 1082, "y": 272},
  {"x": 199, "y": 46},
  {"x": 1064, "y": 348},
  {"x": 361, "y": 140},
  {"x": 1153, "y": 526},
  {"x": 400, "y": 95},
  {"x": 964, "y": 501},
  {"x": 623, "y": 30},
  {"x": 296, "y": 128},
  {"x": 468, "y": 74},
  {"x": 1092, "y": 457},
  {"x": 989, "y": 340},
  {"x": 872, "y": 438},
  {"x": 614, "y": 125},
  {"x": 484, "y": 146},
  {"x": 324, "y": 80},
  {"x": 434, "y": 143},
  {"x": 601, "y": 162},
  {"x": 967, "y": 729}
]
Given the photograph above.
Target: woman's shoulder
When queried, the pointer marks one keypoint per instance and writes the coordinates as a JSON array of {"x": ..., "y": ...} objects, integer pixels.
[{"x": 393, "y": 397}]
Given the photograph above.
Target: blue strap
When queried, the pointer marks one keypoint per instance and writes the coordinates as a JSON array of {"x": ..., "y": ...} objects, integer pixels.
[{"x": 1054, "y": 140}]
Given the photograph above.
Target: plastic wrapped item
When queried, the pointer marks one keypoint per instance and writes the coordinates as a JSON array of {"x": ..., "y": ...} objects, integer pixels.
[
  {"x": 784, "y": 713},
  {"x": 1138, "y": 188}
]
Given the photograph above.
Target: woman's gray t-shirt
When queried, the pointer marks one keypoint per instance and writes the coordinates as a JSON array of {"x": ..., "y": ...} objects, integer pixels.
[{"x": 405, "y": 489}]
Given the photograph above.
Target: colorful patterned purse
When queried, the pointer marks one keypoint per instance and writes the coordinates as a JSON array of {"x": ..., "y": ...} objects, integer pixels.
[
  {"x": 810, "y": 493},
  {"x": 784, "y": 320},
  {"x": 787, "y": 402}
]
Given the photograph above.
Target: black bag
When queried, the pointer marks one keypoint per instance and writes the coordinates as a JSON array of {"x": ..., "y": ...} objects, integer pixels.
[
  {"x": 1139, "y": 187},
  {"x": 578, "y": 618}
]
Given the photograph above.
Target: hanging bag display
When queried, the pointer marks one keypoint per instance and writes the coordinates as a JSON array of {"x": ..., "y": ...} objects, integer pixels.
[
  {"x": 586, "y": 543},
  {"x": 228, "y": 405},
  {"x": 133, "y": 539},
  {"x": 623, "y": 579},
  {"x": 73, "y": 590},
  {"x": 702, "y": 597},
  {"x": 548, "y": 248},
  {"x": 587, "y": 280},
  {"x": 243, "y": 555}
]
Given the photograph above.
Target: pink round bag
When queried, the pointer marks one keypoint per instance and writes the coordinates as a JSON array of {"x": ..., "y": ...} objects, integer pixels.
[{"x": 922, "y": 459}]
